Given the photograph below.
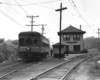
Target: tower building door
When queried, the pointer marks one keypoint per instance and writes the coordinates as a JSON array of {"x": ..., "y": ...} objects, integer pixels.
[
  {"x": 67, "y": 49},
  {"x": 76, "y": 47}
]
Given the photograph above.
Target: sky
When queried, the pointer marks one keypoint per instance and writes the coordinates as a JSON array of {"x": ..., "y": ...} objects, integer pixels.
[{"x": 13, "y": 17}]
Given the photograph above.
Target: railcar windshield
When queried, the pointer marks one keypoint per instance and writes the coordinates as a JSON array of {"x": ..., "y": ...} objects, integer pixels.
[
  {"x": 21, "y": 41},
  {"x": 28, "y": 41}
]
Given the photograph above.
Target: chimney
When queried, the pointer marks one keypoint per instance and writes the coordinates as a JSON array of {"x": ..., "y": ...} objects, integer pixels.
[{"x": 80, "y": 27}]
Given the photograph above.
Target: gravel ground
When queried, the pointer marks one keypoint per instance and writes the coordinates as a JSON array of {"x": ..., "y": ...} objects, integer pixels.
[
  {"x": 33, "y": 70},
  {"x": 37, "y": 68},
  {"x": 89, "y": 70}
]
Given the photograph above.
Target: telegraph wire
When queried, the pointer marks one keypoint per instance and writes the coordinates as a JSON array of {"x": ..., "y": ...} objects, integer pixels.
[
  {"x": 47, "y": 3},
  {"x": 15, "y": 11},
  {"x": 21, "y": 7},
  {"x": 5, "y": 14},
  {"x": 9, "y": 4},
  {"x": 45, "y": 7},
  {"x": 30, "y": 3},
  {"x": 37, "y": 4},
  {"x": 27, "y": 5},
  {"x": 40, "y": 2},
  {"x": 44, "y": 3}
]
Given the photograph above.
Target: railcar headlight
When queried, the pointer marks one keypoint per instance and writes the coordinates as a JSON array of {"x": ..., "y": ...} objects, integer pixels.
[{"x": 28, "y": 48}]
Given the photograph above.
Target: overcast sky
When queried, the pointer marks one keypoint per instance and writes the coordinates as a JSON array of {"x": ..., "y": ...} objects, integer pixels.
[{"x": 13, "y": 17}]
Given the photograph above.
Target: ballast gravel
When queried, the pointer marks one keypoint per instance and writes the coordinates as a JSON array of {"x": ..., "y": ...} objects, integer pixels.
[
  {"x": 89, "y": 70},
  {"x": 37, "y": 68},
  {"x": 33, "y": 70}
]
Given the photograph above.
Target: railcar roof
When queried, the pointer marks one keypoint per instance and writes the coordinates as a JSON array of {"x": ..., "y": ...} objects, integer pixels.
[{"x": 29, "y": 34}]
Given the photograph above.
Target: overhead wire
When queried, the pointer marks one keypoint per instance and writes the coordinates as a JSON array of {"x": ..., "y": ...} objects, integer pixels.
[
  {"x": 37, "y": 4},
  {"x": 80, "y": 15},
  {"x": 15, "y": 11},
  {"x": 9, "y": 4},
  {"x": 27, "y": 5},
  {"x": 45, "y": 6},
  {"x": 75, "y": 7},
  {"x": 50, "y": 3},
  {"x": 41, "y": 2},
  {"x": 21, "y": 7},
  {"x": 9, "y": 17},
  {"x": 30, "y": 3}
]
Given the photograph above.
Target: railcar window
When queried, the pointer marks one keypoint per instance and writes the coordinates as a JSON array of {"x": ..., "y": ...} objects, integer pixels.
[
  {"x": 28, "y": 41},
  {"x": 21, "y": 41},
  {"x": 45, "y": 44},
  {"x": 35, "y": 41}
]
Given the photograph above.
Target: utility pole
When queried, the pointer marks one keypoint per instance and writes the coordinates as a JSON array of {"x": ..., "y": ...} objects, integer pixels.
[
  {"x": 43, "y": 28},
  {"x": 60, "y": 27},
  {"x": 32, "y": 21},
  {"x": 98, "y": 39}
]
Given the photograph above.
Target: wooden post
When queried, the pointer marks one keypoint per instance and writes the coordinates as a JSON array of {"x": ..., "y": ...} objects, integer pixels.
[{"x": 60, "y": 27}]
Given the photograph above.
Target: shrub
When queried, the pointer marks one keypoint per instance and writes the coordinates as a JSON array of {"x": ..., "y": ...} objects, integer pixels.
[
  {"x": 2, "y": 57},
  {"x": 9, "y": 51},
  {"x": 85, "y": 51}
]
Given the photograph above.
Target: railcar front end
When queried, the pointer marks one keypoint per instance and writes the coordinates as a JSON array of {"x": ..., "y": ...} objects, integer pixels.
[{"x": 32, "y": 46}]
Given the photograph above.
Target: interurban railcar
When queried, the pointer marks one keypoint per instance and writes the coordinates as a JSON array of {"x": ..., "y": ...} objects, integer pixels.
[{"x": 33, "y": 46}]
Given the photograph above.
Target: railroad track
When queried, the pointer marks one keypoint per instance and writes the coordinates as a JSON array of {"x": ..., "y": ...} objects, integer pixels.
[
  {"x": 9, "y": 65},
  {"x": 61, "y": 71},
  {"x": 4, "y": 71}
]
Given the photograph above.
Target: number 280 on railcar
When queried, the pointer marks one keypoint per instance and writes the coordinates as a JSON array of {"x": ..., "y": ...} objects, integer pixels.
[{"x": 33, "y": 46}]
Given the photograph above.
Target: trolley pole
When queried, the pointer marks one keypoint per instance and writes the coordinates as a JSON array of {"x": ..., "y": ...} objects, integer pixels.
[
  {"x": 32, "y": 21},
  {"x": 60, "y": 27}
]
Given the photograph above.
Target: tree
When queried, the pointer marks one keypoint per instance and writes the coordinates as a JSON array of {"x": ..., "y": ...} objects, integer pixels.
[
  {"x": 15, "y": 42},
  {"x": 9, "y": 50},
  {"x": 91, "y": 42},
  {"x": 1, "y": 40}
]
